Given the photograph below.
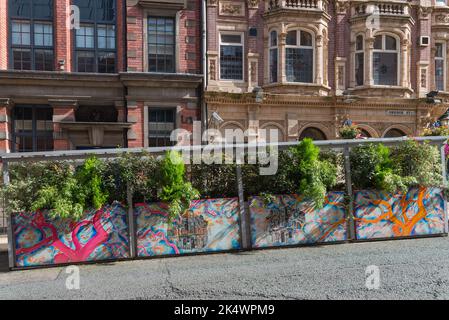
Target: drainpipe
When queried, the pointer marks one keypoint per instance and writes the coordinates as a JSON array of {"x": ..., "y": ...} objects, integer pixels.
[{"x": 204, "y": 114}]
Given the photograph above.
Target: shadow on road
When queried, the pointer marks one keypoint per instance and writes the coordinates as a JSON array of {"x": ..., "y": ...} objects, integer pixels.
[{"x": 4, "y": 261}]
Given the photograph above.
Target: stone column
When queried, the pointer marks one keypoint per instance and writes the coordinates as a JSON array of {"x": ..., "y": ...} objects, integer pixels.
[
  {"x": 282, "y": 76},
  {"x": 369, "y": 48},
  {"x": 404, "y": 75},
  {"x": 63, "y": 111},
  {"x": 319, "y": 60}
]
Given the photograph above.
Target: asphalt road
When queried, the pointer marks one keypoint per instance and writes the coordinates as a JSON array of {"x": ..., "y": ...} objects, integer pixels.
[{"x": 409, "y": 269}]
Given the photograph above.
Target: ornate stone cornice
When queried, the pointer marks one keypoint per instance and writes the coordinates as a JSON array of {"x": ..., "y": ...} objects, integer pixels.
[{"x": 253, "y": 4}]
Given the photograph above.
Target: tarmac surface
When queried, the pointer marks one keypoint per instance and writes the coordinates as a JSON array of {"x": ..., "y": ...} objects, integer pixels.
[{"x": 408, "y": 269}]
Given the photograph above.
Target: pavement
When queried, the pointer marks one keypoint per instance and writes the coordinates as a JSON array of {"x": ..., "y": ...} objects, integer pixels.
[{"x": 408, "y": 269}]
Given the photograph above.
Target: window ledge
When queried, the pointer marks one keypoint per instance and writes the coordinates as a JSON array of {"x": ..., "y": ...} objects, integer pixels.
[
  {"x": 382, "y": 91},
  {"x": 310, "y": 89}
]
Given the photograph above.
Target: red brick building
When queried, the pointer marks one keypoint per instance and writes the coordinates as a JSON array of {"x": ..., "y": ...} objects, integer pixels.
[
  {"x": 126, "y": 73},
  {"x": 317, "y": 63}
]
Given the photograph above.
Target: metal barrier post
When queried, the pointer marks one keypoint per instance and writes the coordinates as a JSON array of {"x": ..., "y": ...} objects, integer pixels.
[
  {"x": 245, "y": 222},
  {"x": 11, "y": 244},
  {"x": 131, "y": 222},
  {"x": 350, "y": 213},
  {"x": 444, "y": 173}
]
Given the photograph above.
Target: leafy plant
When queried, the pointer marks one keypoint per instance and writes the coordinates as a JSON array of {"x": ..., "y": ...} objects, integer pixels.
[
  {"x": 175, "y": 189},
  {"x": 79, "y": 190},
  {"x": 436, "y": 131},
  {"x": 349, "y": 131},
  {"x": 397, "y": 169}
]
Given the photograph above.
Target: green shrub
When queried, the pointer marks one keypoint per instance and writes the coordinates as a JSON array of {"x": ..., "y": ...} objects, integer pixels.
[
  {"x": 174, "y": 187},
  {"x": 301, "y": 170},
  {"x": 397, "y": 169}
]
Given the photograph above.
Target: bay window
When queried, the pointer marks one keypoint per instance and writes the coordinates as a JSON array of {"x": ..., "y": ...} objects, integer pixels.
[
  {"x": 385, "y": 60},
  {"x": 31, "y": 35},
  {"x": 231, "y": 56},
  {"x": 95, "y": 39},
  {"x": 299, "y": 55}
]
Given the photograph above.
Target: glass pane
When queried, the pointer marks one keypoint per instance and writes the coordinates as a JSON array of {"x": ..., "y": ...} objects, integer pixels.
[
  {"x": 87, "y": 9},
  {"x": 231, "y": 38},
  {"x": 439, "y": 75},
  {"x": 273, "y": 65},
  {"x": 439, "y": 50},
  {"x": 390, "y": 43},
  {"x": 359, "y": 68},
  {"x": 21, "y": 59},
  {"x": 20, "y": 8},
  {"x": 378, "y": 42},
  {"x": 385, "y": 68},
  {"x": 85, "y": 61},
  {"x": 273, "y": 39},
  {"x": 106, "y": 10},
  {"x": 359, "y": 43},
  {"x": 306, "y": 39},
  {"x": 44, "y": 60},
  {"x": 291, "y": 39},
  {"x": 231, "y": 62},
  {"x": 299, "y": 65},
  {"x": 42, "y": 9},
  {"x": 161, "y": 45},
  {"x": 21, "y": 33},
  {"x": 106, "y": 62}
]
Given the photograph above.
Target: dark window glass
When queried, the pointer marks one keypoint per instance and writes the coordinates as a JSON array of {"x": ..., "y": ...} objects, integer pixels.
[
  {"x": 31, "y": 34},
  {"x": 385, "y": 68},
  {"x": 161, "y": 124},
  {"x": 359, "y": 43},
  {"x": 95, "y": 40},
  {"x": 231, "y": 62},
  {"x": 161, "y": 44},
  {"x": 33, "y": 128},
  {"x": 359, "y": 68},
  {"x": 21, "y": 59},
  {"x": 273, "y": 65},
  {"x": 291, "y": 39},
  {"x": 394, "y": 133},
  {"x": 299, "y": 65},
  {"x": 85, "y": 61},
  {"x": 20, "y": 8},
  {"x": 439, "y": 67},
  {"x": 378, "y": 42}
]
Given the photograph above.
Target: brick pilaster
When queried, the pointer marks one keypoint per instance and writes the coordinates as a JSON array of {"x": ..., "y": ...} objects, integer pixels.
[
  {"x": 136, "y": 134},
  {"x": 63, "y": 111}
]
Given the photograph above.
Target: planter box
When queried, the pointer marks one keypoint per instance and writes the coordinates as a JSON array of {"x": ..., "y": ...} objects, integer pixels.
[
  {"x": 209, "y": 225},
  {"x": 419, "y": 212},
  {"x": 290, "y": 220},
  {"x": 99, "y": 235}
]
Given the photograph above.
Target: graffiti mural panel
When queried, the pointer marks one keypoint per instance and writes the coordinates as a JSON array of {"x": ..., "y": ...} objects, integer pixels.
[
  {"x": 99, "y": 235},
  {"x": 290, "y": 220},
  {"x": 209, "y": 225},
  {"x": 379, "y": 214}
]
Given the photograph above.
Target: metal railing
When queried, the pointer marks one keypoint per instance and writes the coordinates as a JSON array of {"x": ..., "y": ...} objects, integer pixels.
[{"x": 342, "y": 146}]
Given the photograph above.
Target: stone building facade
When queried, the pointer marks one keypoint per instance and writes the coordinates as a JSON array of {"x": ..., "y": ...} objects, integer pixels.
[
  {"x": 125, "y": 74},
  {"x": 303, "y": 67}
]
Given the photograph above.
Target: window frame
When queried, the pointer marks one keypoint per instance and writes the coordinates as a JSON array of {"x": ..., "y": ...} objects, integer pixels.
[
  {"x": 242, "y": 44},
  {"x": 148, "y": 15},
  {"x": 32, "y": 21},
  {"x": 175, "y": 123},
  {"x": 443, "y": 58},
  {"x": 270, "y": 49},
  {"x": 96, "y": 50},
  {"x": 33, "y": 134},
  {"x": 299, "y": 46},
  {"x": 357, "y": 52},
  {"x": 384, "y": 50}
]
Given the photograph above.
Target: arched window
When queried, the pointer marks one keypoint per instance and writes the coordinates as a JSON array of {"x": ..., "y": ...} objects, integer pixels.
[
  {"x": 385, "y": 60},
  {"x": 273, "y": 56},
  {"x": 313, "y": 133},
  {"x": 394, "y": 133},
  {"x": 359, "y": 61},
  {"x": 299, "y": 56},
  {"x": 364, "y": 133}
]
